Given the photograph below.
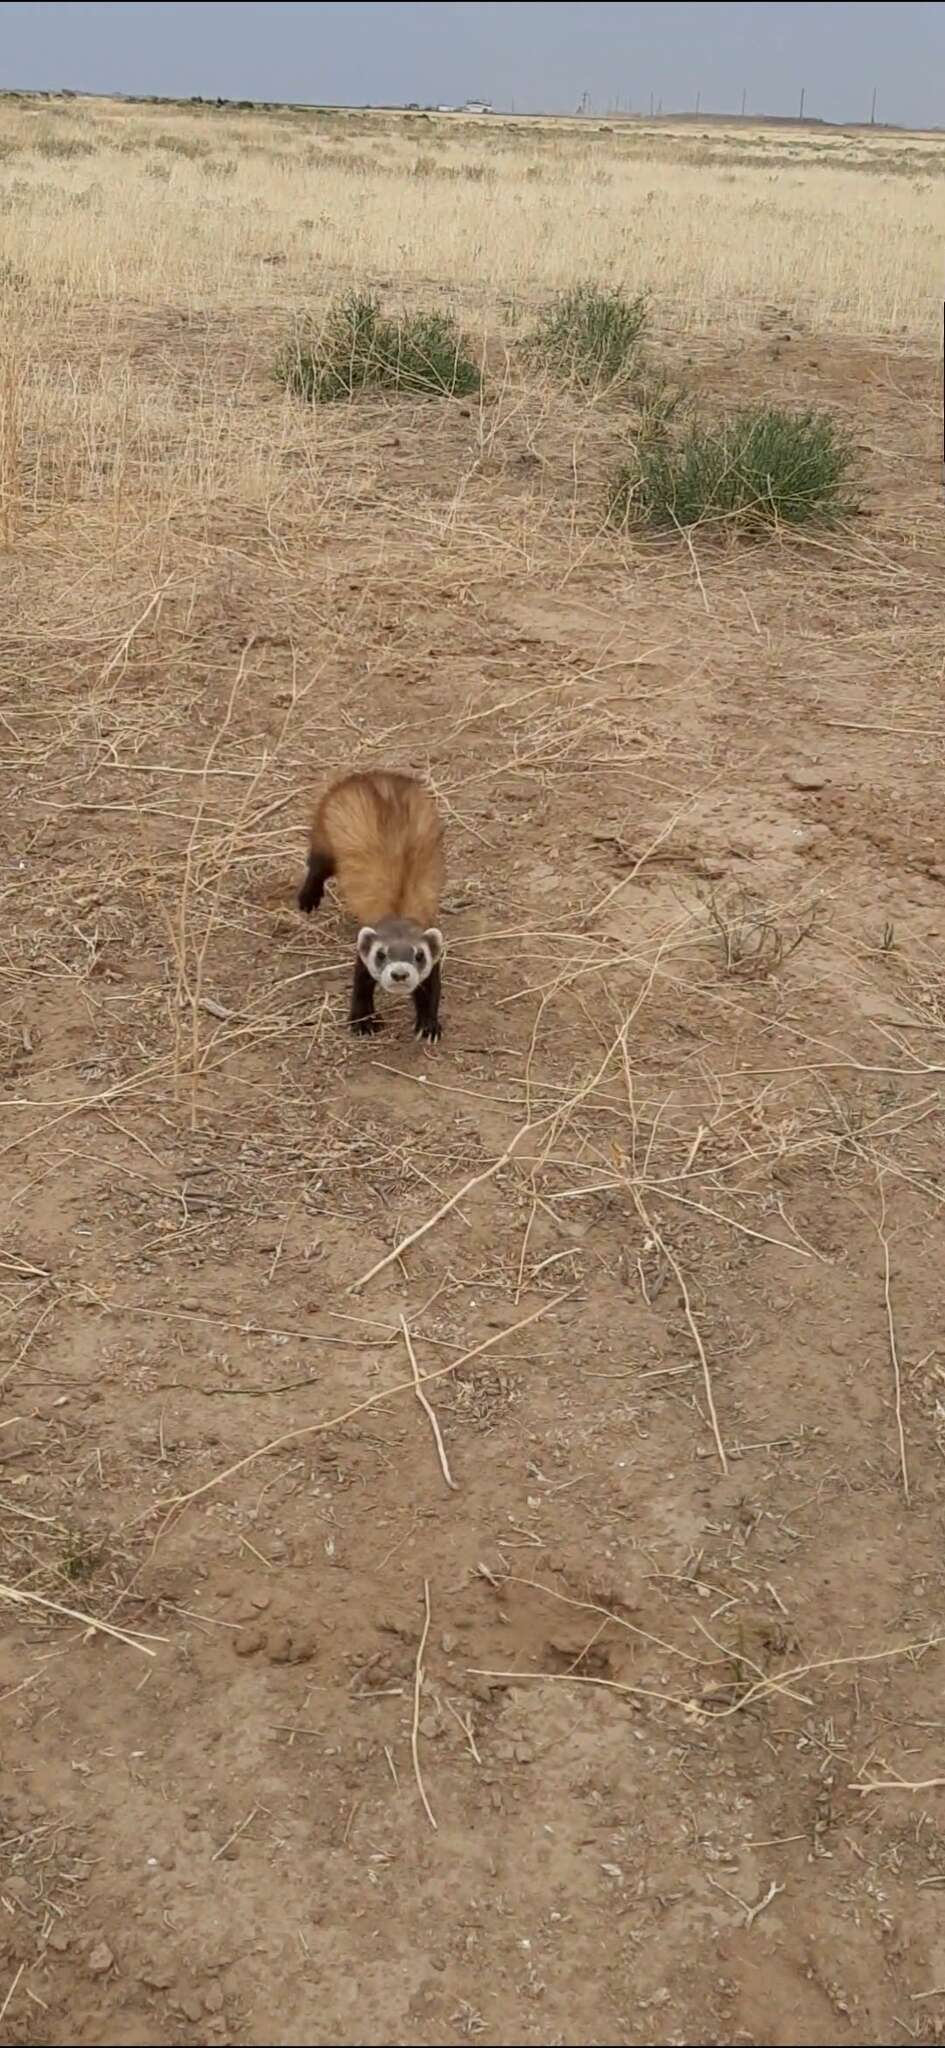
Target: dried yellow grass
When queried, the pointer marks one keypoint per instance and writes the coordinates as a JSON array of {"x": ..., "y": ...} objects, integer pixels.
[{"x": 210, "y": 207}]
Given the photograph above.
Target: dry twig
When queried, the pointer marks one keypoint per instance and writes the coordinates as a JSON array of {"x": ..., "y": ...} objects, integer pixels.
[
  {"x": 417, "y": 1693},
  {"x": 425, "y": 1405}
]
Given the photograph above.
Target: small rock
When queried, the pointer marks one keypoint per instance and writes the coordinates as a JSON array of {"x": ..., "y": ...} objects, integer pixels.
[
  {"x": 807, "y": 778},
  {"x": 213, "y": 1998},
  {"x": 157, "y": 1979},
  {"x": 524, "y": 1753},
  {"x": 59, "y": 1940},
  {"x": 100, "y": 1960},
  {"x": 191, "y": 2008},
  {"x": 448, "y": 1642},
  {"x": 260, "y": 1601},
  {"x": 247, "y": 1642}
]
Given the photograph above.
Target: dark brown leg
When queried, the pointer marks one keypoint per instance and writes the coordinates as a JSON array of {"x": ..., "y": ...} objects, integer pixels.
[
  {"x": 426, "y": 1003},
  {"x": 361, "y": 1016},
  {"x": 316, "y": 875}
]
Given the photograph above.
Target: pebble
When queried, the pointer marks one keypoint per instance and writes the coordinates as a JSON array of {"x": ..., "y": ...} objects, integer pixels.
[
  {"x": 59, "y": 1940},
  {"x": 213, "y": 1998},
  {"x": 100, "y": 1960},
  {"x": 807, "y": 778}
]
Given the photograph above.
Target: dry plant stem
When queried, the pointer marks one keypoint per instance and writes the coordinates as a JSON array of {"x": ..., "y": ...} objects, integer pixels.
[
  {"x": 899, "y": 1785},
  {"x": 8, "y": 1999},
  {"x": 360, "y": 1407},
  {"x": 428, "y": 1411},
  {"x": 445, "y": 1209},
  {"x": 88, "y": 1621},
  {"x": 27, "y": 1341},
  {"x": 237, "y": 1831},
  {"x": 185, "y": 992},
  {"x": 671, "y": 1260},
  {"x": 692, "y": 1708},
  {"x": 417, "y": 1693},
  {"x": 593, "y": 1607},
  {"x": 893, "y": 1346},
  {"x": 665, "y": 833}
]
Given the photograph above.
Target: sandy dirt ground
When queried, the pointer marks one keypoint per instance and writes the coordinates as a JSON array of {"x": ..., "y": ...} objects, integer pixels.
[{"x": 633, "y": 1731}]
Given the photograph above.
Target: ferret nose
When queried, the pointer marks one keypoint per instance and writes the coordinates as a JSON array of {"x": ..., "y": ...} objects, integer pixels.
[{"x": 400, "y": 974}]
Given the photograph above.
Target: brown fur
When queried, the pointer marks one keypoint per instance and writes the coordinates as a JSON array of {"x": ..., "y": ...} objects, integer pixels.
[{"x": 382, "y": 836}]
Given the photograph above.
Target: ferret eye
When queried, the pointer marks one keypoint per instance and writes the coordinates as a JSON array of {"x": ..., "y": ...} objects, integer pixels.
[{"x": 380, "y": 957}]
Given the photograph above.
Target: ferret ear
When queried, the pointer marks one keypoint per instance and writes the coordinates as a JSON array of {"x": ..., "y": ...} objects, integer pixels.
[
  {"x": 434, "y": 939},
  {"x": 367, "y": 937}
]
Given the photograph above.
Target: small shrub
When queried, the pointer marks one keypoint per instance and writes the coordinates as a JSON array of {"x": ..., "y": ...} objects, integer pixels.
[
  {"x": 361, "y": 348},
  {"x": 762, "y": 466},
  {"x": 753, "y": 939},
  {"x": 591, "y": 337}
]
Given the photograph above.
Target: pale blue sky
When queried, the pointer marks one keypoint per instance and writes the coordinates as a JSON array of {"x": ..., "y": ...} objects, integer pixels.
[{"x": 540, "y": 55}]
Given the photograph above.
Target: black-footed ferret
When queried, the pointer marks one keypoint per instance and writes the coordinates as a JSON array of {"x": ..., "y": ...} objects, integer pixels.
[{"x": 381, "y": 836}]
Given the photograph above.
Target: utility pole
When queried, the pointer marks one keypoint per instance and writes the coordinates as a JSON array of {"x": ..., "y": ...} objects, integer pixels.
[
  {"x": 800, "y": 113},
  {"x": 744, "y": 98},
  {"x": 698, "y": 101},
  {"x": 651, "y": 106},
  {"x": 873, "y": 110}
]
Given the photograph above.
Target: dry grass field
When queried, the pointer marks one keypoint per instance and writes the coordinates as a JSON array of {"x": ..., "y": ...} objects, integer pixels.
[{"x": 624, "y": 1722}]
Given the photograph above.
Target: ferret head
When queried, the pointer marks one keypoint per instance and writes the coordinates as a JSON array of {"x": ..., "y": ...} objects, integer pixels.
[{"x": 398, "y": 955}]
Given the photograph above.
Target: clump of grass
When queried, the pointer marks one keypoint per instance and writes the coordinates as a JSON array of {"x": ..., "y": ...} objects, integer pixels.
[
  {"x": 360, "y": 348},
  {"x": 591, "y": 338},
  {"x": 763, "y": 465},
  {"x": 753, "y": 939}
]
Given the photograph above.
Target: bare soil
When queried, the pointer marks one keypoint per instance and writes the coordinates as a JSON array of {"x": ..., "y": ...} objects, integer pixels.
[{"x": 696, "y": 927}]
